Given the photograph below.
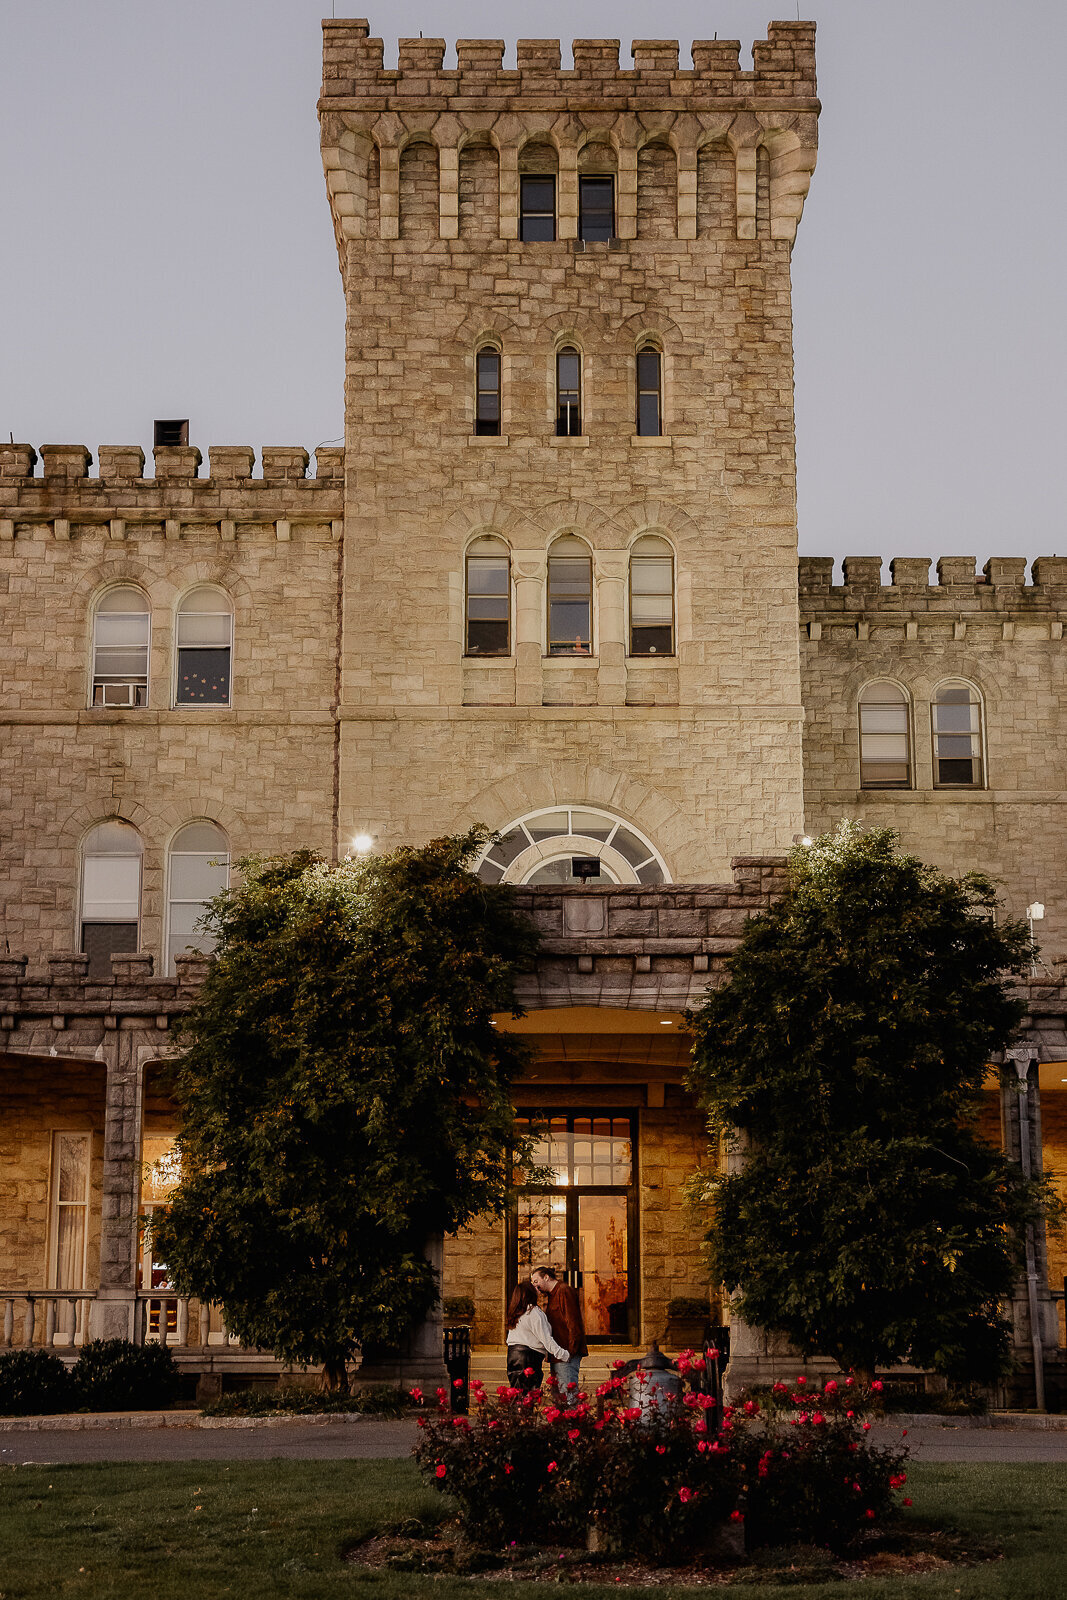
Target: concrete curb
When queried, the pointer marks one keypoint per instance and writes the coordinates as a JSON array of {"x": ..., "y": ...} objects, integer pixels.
[
  {"x": 122, "y": 1421},
  {"x": 119, "y": 1421}
]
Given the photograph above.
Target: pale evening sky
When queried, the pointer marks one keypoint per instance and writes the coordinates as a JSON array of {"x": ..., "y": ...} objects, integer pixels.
[{"x": 168, "y": 249}]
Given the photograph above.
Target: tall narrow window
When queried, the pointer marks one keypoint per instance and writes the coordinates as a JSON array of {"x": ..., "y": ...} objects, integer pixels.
[
  {"x": 957, "y": 714},
  {"x": 537, "y": 206},
  {"x": 205, "y": 638},
  {"x": 885, "y": 741},
  {"x": 649, "y": 392},
  {"x": 487, "y": 399},
  {"x": 111, "y": 894},
  {"x": 596, "y": 208},
  {"x": 70, "y": 1208},
  {"x": 570, "y": 599},
  {"x": 121, "y": 627},
  {"x": 568, "y": 392},
  {"x": 199, "y": 869},
  {"x": 488, "y": 599},
  {"x": 651, "y": 598}
]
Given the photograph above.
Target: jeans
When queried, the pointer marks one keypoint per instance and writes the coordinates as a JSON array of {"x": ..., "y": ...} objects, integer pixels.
[{"x": 566, "y": 1373}]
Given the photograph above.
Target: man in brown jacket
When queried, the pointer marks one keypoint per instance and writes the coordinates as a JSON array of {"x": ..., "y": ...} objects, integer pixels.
[{"x": 564, "y": 1313}]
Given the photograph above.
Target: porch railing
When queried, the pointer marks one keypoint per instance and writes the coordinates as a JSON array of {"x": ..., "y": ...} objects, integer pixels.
[
  {"x": 55, "y": 1318},
  {"x": 181, "y": 1322}
]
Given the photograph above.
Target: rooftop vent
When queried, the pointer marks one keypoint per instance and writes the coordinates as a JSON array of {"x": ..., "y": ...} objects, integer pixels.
[{"x": 173, "y": 432}]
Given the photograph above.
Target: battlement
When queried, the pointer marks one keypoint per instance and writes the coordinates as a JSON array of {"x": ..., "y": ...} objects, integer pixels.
[
  {"x": 353, "y": 69},
  {"x": 1001, "y": 581},
  {"x": 64, "y": 502}
]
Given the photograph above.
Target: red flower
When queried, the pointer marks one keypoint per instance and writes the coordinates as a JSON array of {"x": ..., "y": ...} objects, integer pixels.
[
  {"x": 619, "y": 1363},
  {"x": 737, "y": 1516},
  {"x": 574, "y": 1433},
  {"x": 750, "y": 1408},
  {"x": 527, "y": 1372},
  {"x": 818, "y": 1418},
  {"x": 907, "y": 1502},
  {"x": 801, "y": 1381},
  {"x": 831, "y": 1387},
  {"x": 661, "y": 1449},
  {"x": 866, "y": 1427},
  {"x": 552, "y": 1466},
  {"x": 458, "y": 1383},
  {"x": 415, "y": 1394},
  {"x": 685, "y": 1495},
  {"x": 441, "y": 1469},
  {"x": 869, "y": 1514},
  {"x": 508, "y": 1468},
  {"x": 877, "y": 1386}
]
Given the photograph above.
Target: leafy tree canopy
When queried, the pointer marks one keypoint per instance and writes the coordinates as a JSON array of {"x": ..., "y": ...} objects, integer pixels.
[
  {"x": 343, "y": 1093},
  {"x": 868, "y": 1221}
]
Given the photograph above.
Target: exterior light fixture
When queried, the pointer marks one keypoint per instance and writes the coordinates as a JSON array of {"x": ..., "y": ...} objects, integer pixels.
[
  {"x": 1036, "y": 912},
  {"x": 803, "y": 839},
  {"x": 665, "y": 1022},
  {"x": 362, "y": 844}
]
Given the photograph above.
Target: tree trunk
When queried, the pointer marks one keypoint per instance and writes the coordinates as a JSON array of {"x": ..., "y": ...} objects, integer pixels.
[{"x": 335, "y": 1375}]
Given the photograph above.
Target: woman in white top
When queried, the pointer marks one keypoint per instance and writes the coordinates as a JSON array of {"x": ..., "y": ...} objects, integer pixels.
[{"x": 529, "y": 1339}]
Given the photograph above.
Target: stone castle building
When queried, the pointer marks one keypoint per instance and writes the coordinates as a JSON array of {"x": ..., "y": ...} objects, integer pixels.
[{"x": 550, "y": 584}]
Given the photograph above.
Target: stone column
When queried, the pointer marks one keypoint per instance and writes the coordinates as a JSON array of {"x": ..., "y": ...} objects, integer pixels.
[
  {"x": 419, "y": 1358},
  {"x": 611, "y": 629},
  {"x": 1033, "y": 1311},
  {"x": 529, "y": 569},
  {"x": 113, "y": 1314}
]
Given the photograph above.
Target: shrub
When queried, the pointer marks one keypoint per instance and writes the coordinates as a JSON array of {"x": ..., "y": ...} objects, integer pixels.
[
  {"x": 458, "y": 1308},
  {"x": 34, "y": 1382},
  {"x": 115, "y": 1375},
  {"x": 379, "y": 1400},
  {"x": 659, "y": 1478},
  {"x": 810, "y": 1475}
]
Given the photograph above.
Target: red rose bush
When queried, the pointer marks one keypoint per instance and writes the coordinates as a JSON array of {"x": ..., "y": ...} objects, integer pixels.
[{"x": 646, "y": 1474}]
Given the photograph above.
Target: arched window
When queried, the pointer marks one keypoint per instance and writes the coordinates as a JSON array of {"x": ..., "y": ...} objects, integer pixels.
[
  {"x": 568, "y": 391},
  {"x": 487, "y": 391},
  {"x": 651, "y": 598},
  {"x": 957, "y": 730},
  {"x": 204, "y": 641},
  {"x": 121, "y": 631},
  {"x": 110, "y": 894},
  {"x": 198, "y": 869},
  {"x": 596, "y": 192},
  {"x": 570, "y": 599},
  {"x": 538, "y": 164},
  {"x": 885, "y": 738},
  {"x": 572, "y": 844},
  {"x": 488, "y": 599},
  {"x": 649, "y": 391}
]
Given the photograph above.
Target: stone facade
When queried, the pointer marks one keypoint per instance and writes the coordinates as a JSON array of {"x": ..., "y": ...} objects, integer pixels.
[{"x": 356, "y": 704}]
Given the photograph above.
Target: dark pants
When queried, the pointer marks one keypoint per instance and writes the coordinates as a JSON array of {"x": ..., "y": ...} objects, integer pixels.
[{"x": 520, "y": 1359}]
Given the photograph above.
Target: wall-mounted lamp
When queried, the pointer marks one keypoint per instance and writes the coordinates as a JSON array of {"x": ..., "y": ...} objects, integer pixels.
[
  {"x": 803, "y": 839},
  {"x": 362, "y": 844}
]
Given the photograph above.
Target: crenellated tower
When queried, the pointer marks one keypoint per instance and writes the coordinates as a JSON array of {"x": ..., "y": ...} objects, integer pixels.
[{"x": 570, "y": 532}]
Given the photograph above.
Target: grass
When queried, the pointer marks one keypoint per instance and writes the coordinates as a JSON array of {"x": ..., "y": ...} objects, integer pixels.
[{"x": 201, "y": 1531}]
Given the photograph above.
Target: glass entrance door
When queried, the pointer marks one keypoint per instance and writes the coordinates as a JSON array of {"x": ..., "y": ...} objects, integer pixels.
[{"x": 581, "y": 1217}]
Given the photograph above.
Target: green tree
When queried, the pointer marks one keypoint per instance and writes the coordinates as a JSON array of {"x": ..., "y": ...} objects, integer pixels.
[
  {"x": 867, "y": 1221},
  {"x": 343, "y": 1093}
]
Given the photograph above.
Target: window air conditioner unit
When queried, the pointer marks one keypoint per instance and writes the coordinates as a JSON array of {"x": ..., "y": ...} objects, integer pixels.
[{"x": 122, "y": 694}]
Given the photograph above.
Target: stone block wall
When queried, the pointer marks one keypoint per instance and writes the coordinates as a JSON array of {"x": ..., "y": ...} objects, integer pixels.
[
  {"x": 423, "y": 172},
  {"x": 263, "y": 766},
  {"x": 995, "y": 631},
  {"x": 673, "y": 1147}
]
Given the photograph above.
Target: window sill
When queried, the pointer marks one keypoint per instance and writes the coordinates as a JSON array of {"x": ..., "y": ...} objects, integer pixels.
[
  {"x": 488, "y": 661},
  {"x": 651, "y": 441},
  {"x": 570, "y": 661},
  {"x": 478, "y": 440},
  {"x": 570, "y": 441},
  {"x": 661, "y": 660}
]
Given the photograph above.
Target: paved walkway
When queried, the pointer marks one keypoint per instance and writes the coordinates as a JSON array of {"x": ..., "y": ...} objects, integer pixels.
[{"x": 369, "y": 1438}]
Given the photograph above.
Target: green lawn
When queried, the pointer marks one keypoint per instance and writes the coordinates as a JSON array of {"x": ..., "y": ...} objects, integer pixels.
[{"x": 198, "y": 1532}]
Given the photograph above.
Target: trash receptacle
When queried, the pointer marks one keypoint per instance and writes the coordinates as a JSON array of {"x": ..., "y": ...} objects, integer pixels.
[{"x": 458, "y": 1364}]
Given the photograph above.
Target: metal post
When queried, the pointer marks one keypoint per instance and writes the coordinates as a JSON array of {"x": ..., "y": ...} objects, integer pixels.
[{"x": 1023, "y": 1060}]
